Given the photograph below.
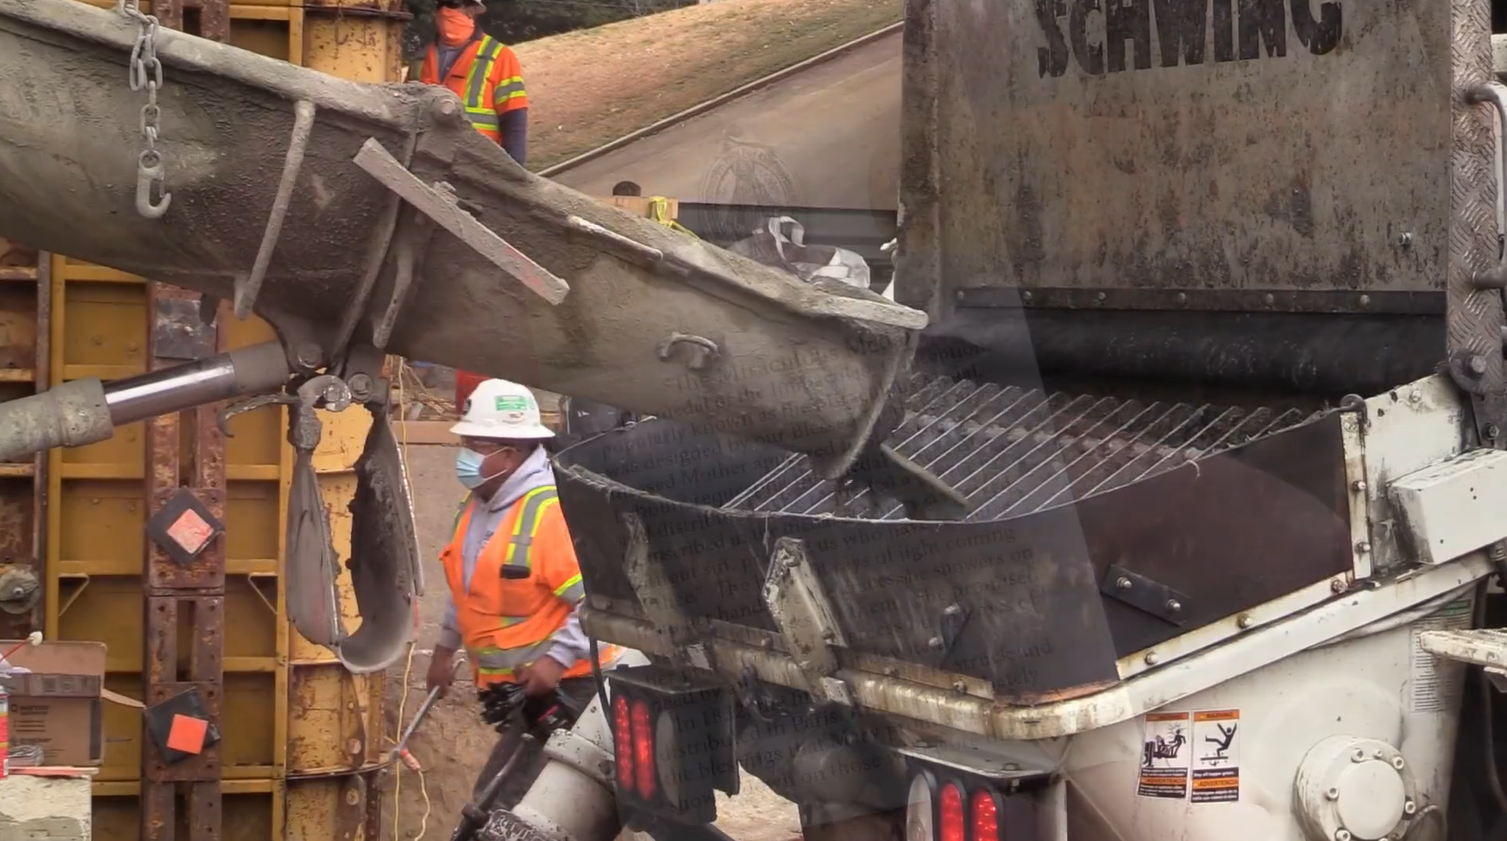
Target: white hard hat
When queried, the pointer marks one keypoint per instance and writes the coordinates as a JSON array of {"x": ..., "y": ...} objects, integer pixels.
[{"x": 500, "y": 409}]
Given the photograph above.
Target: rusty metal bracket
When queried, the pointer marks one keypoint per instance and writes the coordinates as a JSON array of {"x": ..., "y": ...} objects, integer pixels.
[
  {"x": 181, "y": 726},
  {"x": 441, "y": 205},
  {"x": 183, "y": 527},
  {"x": 656, "y": 595},
  {"x": 303, "y": 127},
  {"x": 1145, "y": 594},
  {"x": 800, "y": 609}
]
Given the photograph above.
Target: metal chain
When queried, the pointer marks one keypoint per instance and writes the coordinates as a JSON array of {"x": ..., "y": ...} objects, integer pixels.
[{"x": 145, "y": 71}]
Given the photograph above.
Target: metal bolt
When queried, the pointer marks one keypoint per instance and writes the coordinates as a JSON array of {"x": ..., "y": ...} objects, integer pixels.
[
  {"x": 935, "y": 642},
  {"x": 309, "y": 355},
  {"x": 960, "y": 295},
  {"x": 1332, "y": 793},
  {"x": 1415, "y": 396},
  {"x": 1359, "y": 486},
  {"x": 1379, "y": 754},
  {"x": 1244, "y": 620},
  {"x": 1011, "y": 766},
  {"x": 1337, "y": 585},
  {"x": 1182, "y": 297},
  {"x": 1342, "y": 835},
  {"x": 1409, "y": 808},
  {"x": 1101, "y": 296},
  {"x": 959, "y": 686},
  {"x": 1405, "y": 240},
  {"x": 1363, "y": 546},
  {"x": 1152, "y": 658},
  {"x": 361, "y": 385},
  {"x": 1477, "y": 364},
  {"x": 445, "y": 106},
  {"x": 1365, "y": 300},
  {"x": 1122, "y": 583},
  {"x": 1358, "y": 756},
  {"x": 952, "y": 610},
  {"x": 1174, "y": 605},
  {"x": 1398, "y": 763},
  {"x": 1026, "y": 296},
  {"x": 1270, "y": 299}
]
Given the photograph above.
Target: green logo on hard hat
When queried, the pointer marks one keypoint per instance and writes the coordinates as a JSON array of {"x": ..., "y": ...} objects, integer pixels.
[{"x": 512, "y": 403}]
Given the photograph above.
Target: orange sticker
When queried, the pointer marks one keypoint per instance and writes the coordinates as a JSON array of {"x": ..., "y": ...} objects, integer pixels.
[
  {"x": 187, "y": 734},
  {"x": 190, "y": 531}
]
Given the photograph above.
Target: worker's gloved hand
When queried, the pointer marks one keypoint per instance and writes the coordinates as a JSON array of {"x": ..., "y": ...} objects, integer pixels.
[
  {"x": 505, "y": 704},
  {"x": 500, "y": 703}
]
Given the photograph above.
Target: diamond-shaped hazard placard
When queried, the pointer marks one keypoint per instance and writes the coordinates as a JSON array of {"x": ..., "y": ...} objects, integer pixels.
[{"x": 183, "y": 527}]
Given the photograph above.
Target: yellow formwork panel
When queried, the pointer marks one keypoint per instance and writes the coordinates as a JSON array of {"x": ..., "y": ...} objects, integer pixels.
[{"x": 299, "y": 731}]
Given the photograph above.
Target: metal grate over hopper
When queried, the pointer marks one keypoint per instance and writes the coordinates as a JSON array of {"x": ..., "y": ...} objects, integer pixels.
[{"x": 1011, "y": 451}]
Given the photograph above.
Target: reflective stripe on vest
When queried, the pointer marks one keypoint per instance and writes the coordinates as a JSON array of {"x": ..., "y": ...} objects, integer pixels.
[
  {"x": 526, "y": 527},
  {"x": 509, "y": 88},
  {"x": 483, "y": 115}
]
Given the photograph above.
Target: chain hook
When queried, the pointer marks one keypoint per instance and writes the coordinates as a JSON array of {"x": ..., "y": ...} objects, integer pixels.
[
  {"x": 148, "y": 175},
  {"x": 145, "y": 71}
]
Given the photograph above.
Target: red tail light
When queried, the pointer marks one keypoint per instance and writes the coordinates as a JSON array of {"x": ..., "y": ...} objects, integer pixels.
[
  {"x": 622, "y": 742},
  {"x": 985, "y": 817},
  {"x": 644, "y": 775},
  {"x": 950, "y": 813}
]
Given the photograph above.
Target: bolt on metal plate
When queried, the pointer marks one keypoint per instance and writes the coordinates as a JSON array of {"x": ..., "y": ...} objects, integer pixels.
[{"x": 1146, "y": 595}]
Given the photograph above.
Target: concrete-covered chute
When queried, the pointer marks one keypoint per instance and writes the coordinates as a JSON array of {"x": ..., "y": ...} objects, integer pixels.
[{"x": 366, "y": 219}]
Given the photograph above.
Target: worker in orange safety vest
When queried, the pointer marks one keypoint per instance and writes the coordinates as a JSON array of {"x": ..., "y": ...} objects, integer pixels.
[
  {"x": 515, "y": 584},
  {"x": 482, "y": 71},
  {"x": 487, "y": 77}
]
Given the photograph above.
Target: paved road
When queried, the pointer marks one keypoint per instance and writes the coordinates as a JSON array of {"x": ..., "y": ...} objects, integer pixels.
[{"x": 828, "y": 137}]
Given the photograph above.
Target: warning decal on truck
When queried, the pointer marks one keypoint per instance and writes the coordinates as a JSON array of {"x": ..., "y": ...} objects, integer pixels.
[
  {"x": 1216, "y": 756},
  {"x": 1164, "y": 756}
]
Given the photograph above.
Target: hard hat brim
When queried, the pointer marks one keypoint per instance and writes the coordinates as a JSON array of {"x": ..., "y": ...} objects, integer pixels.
[{"x": 466, "y": 429}]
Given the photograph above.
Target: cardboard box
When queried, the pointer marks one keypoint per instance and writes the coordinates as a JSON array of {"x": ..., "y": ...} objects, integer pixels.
[{"x": 58, "y": 705}]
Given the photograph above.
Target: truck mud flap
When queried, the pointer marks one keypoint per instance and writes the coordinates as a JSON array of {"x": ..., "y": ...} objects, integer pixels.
[{"x": 1099, "y": 527}]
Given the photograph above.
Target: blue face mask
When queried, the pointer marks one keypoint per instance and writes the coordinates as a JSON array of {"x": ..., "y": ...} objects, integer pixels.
[{"x": 468, "y": 468}]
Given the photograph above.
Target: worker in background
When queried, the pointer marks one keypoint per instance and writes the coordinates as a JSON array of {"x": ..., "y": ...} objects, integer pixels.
[
  {"x": 488, "y": 78},
  {"x": 482, "y": 71},
  {"x": 515, "y": 585}
]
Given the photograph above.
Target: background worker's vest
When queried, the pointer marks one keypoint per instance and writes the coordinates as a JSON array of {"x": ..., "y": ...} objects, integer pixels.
[
  {"x": 507, "y": 623},
  {"x": 470, "y": 79}
]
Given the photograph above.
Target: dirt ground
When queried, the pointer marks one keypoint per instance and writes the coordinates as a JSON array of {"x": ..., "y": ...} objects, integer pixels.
[
  {"x": 595, "y": 85},
  {"x": 452, "y": 743}
]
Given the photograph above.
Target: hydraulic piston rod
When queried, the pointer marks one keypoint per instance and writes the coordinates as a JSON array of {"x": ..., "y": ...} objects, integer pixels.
[{"x": 86, "y": 411}]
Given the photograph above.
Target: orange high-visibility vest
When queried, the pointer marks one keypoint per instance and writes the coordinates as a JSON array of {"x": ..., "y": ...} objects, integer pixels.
[
  {"x": 486, "y": 76},
  {"x": 505, "y": 624}
]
